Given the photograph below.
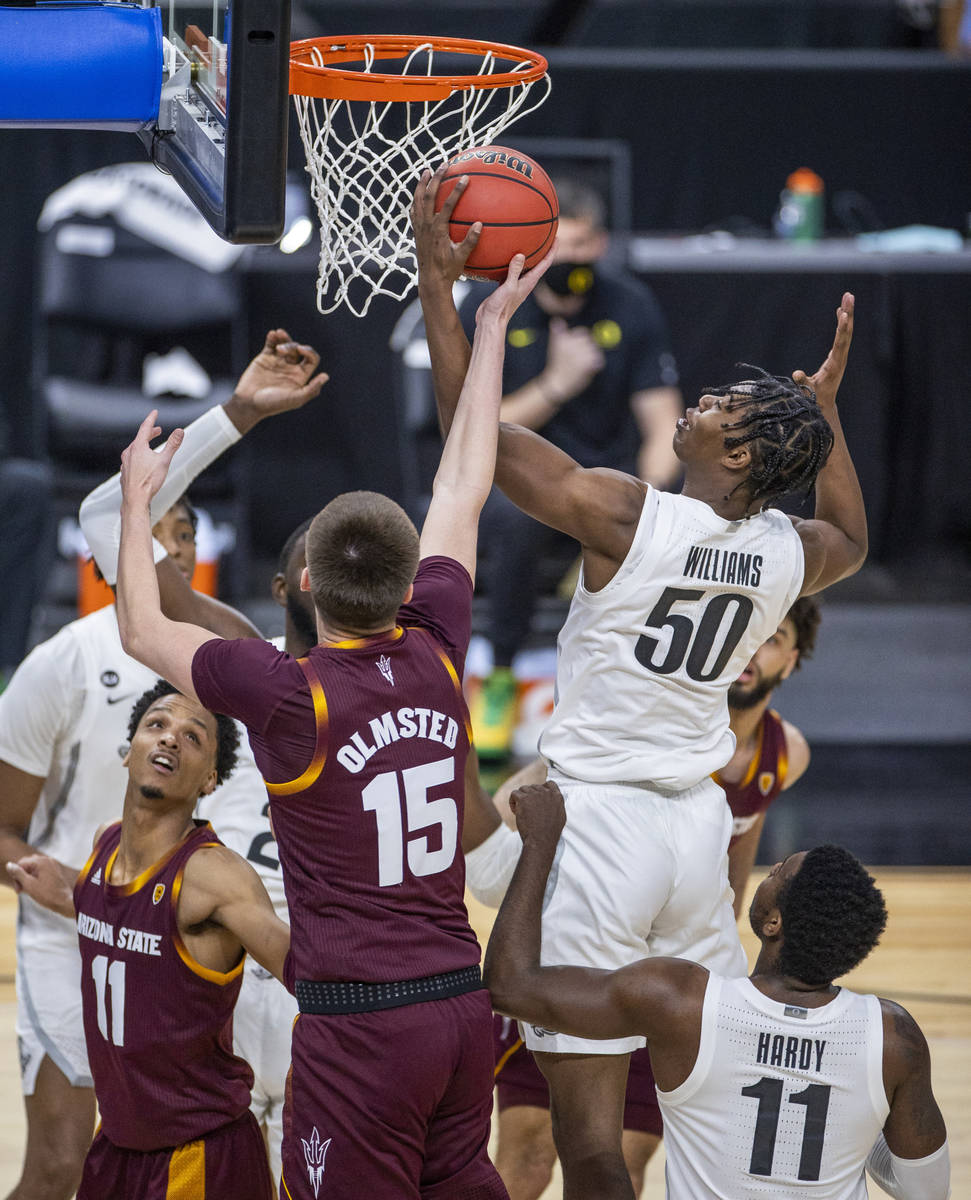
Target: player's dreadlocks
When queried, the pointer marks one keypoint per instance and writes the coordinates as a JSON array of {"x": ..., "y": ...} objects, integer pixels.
[
  {"x": 785, "y": 429},
  {"x": 227, "y": 735},
  {"x": 805, "y": 616}
]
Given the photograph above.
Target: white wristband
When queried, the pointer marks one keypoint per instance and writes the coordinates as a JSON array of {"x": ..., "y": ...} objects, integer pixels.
[
  {"x": 100, "y": 515},
  {"x": 491, "y": 865}
]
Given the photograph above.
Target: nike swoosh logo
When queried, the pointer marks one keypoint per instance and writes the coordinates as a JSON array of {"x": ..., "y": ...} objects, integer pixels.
[{"x": 117, "y": 699}]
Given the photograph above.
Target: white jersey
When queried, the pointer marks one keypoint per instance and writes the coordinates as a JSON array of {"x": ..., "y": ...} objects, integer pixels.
[
  {"x": 239, "y": 813},
  {"x": 64, "y": 717},
  {"x": 782, "y": 1100},
  {"x": 644, "y": 665}
]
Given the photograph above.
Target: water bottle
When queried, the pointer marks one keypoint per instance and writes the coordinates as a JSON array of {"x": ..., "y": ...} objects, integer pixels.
[{"x": 799, "y": 217}]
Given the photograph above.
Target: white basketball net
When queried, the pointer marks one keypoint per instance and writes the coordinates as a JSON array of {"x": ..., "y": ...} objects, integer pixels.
[{"x": 365, "y": 158}]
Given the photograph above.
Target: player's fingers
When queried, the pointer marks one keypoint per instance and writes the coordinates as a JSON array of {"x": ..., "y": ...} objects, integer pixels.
[
  {"x": 516, "y": 264},
  {"x": 453, "y": 197},
  {"x": 148, "y": 429},
  {"x": 275, "y": 337},
  {"x": 312, "y": 389},
  {"x": 471, "y": 239},
  {"x": 175, "y": 439}
]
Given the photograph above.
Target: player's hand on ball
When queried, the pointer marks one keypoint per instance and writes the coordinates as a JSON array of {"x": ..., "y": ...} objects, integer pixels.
[
  {"x": 508, "y": 296},
  {"x": 439, "y": 258},
  {"x": 540, "y": 813},
  {"x": 143, "y": 469},
  {"x": 825, "y": 383},
  {"x": 279, "y": 379}
]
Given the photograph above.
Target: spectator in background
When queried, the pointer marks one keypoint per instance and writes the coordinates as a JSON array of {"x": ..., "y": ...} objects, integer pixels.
[
  {"x": 26, "y": 494},
  {"x": 588, "y": 362}
]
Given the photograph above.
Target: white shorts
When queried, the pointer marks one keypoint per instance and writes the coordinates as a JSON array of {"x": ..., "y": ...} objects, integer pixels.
[
  {"x": 49, "y": 1018},
  {"x": 638, "y": 873},
  {"x": 263, "y": 1019}
]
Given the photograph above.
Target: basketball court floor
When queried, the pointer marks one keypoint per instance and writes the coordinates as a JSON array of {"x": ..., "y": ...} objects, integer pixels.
[{"x": 923, "y": 963}]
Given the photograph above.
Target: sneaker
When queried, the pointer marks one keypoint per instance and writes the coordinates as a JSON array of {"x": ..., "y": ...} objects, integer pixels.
[{"x": 493, "y": 712}]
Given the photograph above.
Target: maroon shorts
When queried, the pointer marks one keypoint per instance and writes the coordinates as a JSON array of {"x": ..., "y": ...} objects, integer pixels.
[
  {"x": 224, "y": 1165},
  {"x": 392, "y": 1105},
  {"x": 519, "y": 1081}
]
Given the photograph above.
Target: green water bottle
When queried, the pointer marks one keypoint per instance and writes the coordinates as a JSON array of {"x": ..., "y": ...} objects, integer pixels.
[{"x": 799, "y": 217}]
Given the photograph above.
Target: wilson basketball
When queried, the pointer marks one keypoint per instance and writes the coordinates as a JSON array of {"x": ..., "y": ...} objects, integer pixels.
[{"x": 512, "y": 196}]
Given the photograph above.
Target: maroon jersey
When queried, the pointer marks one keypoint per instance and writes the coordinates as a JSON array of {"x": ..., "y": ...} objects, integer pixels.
[
  {"x": 158, "y": 1025},
  {"x": 362, "y": 745},
  {"x": 763, "y": 780}
]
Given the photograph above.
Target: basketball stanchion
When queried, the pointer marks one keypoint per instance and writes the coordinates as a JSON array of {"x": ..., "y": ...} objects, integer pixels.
[{"x": 368, "y": 136}]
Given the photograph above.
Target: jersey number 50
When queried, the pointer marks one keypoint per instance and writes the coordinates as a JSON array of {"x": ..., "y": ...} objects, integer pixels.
[
  {"x": 688, "y": 642},
  {"x": 382, "y": 796}
]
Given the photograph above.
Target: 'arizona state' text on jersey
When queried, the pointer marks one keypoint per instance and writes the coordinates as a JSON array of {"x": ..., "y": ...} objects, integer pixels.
[{"x": 158, "y": 1025}]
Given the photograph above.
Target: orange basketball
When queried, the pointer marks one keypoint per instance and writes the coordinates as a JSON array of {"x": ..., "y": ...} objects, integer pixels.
[{"x": 512, "y": 196}]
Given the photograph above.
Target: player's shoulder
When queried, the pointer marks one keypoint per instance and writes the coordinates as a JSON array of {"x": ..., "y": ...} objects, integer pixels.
[
  {"x": 798, "y": 752},
  {"x": 905, "y": 1049}
]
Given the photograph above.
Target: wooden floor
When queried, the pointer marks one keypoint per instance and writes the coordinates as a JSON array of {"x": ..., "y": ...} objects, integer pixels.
[{"x": 924, "y": 963}]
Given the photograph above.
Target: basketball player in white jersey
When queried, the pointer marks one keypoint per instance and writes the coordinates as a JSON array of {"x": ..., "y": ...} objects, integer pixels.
[
  {"x": 63, "y": 735},
  {"x": 782, "y": 1084},
  {"x": 676, "y": 594}
]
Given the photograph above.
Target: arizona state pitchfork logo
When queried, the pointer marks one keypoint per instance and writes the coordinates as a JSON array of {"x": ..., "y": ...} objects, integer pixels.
[{"x": 314, "y": 1153}]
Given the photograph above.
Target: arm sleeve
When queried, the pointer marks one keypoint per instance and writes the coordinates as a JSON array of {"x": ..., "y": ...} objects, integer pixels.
[
  {"x": 911, "y": 1178},
  {"x": 490, "y": 867},
  {"x": 205, "y": 439},
  {"x": 243, "y": 678},
  {"x": 38, "y": 704}
]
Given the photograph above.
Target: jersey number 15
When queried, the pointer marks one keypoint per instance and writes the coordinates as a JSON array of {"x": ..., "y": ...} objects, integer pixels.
[{"x": 383, "y": 797}]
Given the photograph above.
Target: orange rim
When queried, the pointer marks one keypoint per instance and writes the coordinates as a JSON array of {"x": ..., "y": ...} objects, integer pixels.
[{"x": 309, "y": 78}]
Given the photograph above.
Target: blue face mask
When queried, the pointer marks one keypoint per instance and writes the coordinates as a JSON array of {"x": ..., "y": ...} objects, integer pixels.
[{"x": 570, "y": 278}]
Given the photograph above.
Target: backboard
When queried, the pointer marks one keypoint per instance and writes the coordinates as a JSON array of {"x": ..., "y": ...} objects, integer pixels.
[
  {"x": 205, "y": 87},
  {"x": 222, "y": 122}
]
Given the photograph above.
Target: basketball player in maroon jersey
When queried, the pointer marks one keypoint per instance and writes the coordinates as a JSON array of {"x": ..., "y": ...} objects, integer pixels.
[
  {"x": 363, "y": 743},
  {"x": 165, "y": 914}
]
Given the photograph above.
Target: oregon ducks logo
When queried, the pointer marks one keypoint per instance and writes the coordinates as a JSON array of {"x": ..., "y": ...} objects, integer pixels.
[
  {"x": 606, "y": 334},
  {"x": 519, "y": 339},
  {"x": 158, "y": 893}
]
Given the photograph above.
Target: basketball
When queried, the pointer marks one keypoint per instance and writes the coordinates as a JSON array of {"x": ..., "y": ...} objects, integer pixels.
[{"x": 512, "y": 196}]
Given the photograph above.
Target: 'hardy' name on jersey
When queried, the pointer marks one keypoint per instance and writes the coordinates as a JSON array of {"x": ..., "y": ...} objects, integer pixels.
[
  {"x": 796, "y": 1053},
  {"x": 136, "y": 940},
  {"x": 390, "y": 727},
  {"x": 723, "y": 566}
]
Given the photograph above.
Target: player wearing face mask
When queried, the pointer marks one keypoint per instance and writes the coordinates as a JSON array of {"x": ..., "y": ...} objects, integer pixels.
[{"x": 589, "y": 363}]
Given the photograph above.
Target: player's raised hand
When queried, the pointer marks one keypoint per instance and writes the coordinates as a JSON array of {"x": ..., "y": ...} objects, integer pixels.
[
  {"x": 143, "y": 469},
  {"x": 439, "y": 258},
  {"x": 279, "y": 379},
  {"x": 514, "y": 289},
  {"x": 825, "y": 383},
  {"x": 45, "y": 880},
  {"x": 540, "y": 813}
]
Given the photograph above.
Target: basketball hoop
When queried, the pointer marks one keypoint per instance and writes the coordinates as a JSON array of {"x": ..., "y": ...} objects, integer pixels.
[{"x": 368, "y": 136}]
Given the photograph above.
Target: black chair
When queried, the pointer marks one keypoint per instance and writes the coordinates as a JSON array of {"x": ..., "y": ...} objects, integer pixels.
[{"x": 105, "y": 299}]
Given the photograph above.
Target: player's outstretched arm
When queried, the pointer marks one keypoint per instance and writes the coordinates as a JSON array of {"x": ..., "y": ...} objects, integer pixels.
[
  {"x": 163, "y": 645},
  {"x": 835, "y": 540},
  {"x": 279, "y": 379},
  {"x": 464, "y": 476},
  {"x": 639, "y": 999},
  {"x": 599, "y": 508}
]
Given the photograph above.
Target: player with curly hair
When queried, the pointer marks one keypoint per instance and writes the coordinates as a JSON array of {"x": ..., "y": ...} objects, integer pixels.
[
  {"x": 165, "y": 914},
  {"x": 778, "y": 1084}
]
